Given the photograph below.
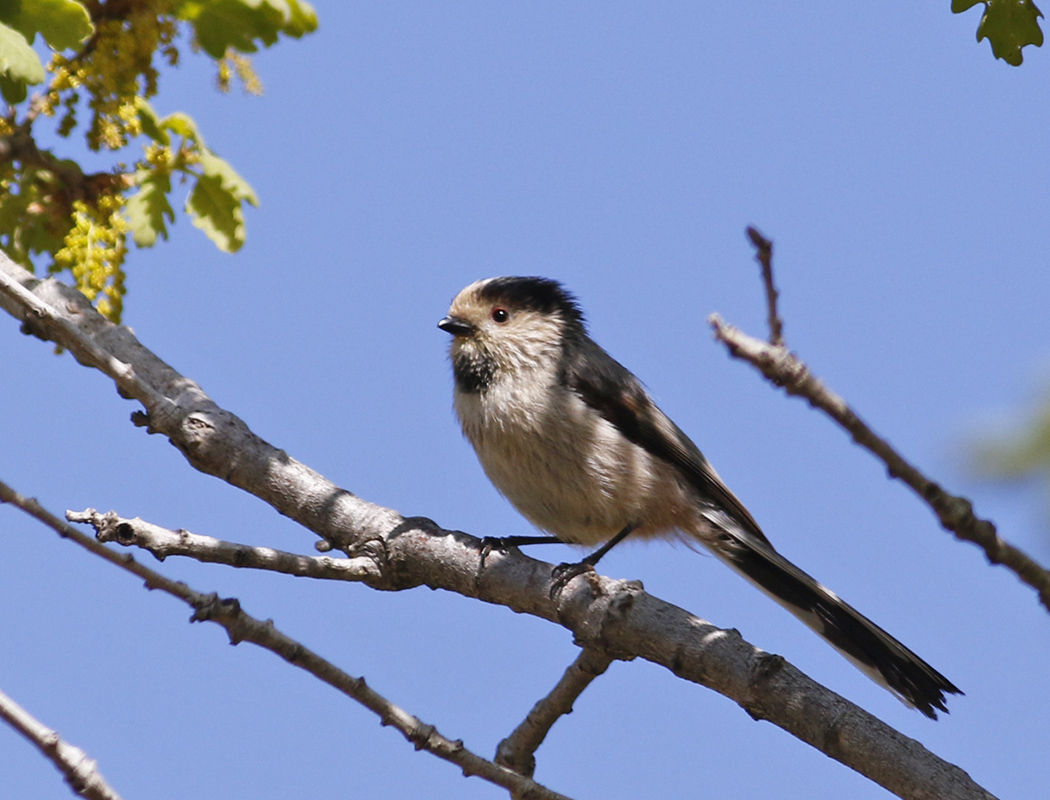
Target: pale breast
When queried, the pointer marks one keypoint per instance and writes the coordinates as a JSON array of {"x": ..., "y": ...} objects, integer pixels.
[{"x": 565, "y": 467}]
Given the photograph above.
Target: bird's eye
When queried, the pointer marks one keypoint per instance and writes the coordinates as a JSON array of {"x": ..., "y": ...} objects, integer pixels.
[{"x": 500, "y": 315}]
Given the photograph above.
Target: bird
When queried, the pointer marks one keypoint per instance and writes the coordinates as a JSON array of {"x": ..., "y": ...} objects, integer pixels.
[{"x": 578, "y": 446}]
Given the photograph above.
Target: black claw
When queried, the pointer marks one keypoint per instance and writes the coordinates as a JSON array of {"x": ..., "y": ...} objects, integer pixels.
[
  {"x": 563, "y": 573},
  {"x": 490, "y": 543}
]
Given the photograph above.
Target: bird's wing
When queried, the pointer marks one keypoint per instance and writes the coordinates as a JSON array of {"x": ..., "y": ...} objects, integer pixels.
[
  {"x": 614, "y": 392},
  {"x": 610, "y": 389}
]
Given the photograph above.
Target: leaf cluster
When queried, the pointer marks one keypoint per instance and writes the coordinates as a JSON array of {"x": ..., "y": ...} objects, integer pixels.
[{"x": 105, "y": 62}]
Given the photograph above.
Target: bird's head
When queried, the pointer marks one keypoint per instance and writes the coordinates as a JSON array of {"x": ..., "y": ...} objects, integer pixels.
[{"x": 508, "y": 325}]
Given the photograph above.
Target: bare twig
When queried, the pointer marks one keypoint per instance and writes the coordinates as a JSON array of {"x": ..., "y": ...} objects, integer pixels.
[
  {"x": 240, "y": 627},
  {"x": 81, "y": 772},
  {"x": 518, "y": 750},
  {"x": 784, "y": 369},
  {"x": 162, "y": 542},
  {"x": 614, "y": 616},
  {"x": 764, "y": 257}
]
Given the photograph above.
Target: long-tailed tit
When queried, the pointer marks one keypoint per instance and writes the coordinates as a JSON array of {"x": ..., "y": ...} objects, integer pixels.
[{"x": 575, "y": 442}]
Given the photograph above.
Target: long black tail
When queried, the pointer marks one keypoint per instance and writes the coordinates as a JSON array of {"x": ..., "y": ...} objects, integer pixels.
[{"x": 869, "y": 647}]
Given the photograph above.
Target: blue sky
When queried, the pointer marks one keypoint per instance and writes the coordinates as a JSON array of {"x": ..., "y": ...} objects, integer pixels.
[{"x": 408, "y": 149}]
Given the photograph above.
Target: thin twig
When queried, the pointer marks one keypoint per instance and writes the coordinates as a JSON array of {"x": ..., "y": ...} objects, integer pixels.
[
  {"x": 74, "y": 184},
  {"x": 955, "y": 513},
  {"x": 764, "y": 256},
  {"x": 240, "y": 626},
  {"x": 80, "y": 772},
  {"x": 162, "y": 542},
  {"x": 518, "y": 750}
]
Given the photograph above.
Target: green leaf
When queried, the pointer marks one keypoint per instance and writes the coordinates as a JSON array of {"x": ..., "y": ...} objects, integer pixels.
[
  {"x": 302, "y": 19},
  {"x": 18, "y": 63},
  {"x": 10, "y": 10},
  {"x": 26, "y": 223},
  {"x": 1008, "y": 25},
  {"x": 14, "y": 92},
  {"x": 231, "y": 181},
  {"x": 147, "y": 208},
  {"x": 182, "y": 124},
  {"x": 216, "y": 203},
  {"x": 217, "y": 212},
  {"x": 151, "y": 125},
  {"x": 12, "y": 208},
  {"x": 222, "y": 24},
  {"x": 63, "y": 23}
]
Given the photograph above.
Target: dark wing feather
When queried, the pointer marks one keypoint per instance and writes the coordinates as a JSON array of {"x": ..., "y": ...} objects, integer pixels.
[{"x": 614, "y": 392}]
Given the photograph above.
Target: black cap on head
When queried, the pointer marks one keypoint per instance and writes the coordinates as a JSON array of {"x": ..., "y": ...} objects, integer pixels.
[{"x": 543, "y": 295}]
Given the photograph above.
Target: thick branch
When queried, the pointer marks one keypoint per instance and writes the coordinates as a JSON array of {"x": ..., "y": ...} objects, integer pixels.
[
  {"x": 81, "y": 772},
  {"x": 614, "y": 616},
  {"x": 784, "y": 369},
  {"x": 612, "y": 619},
  {"x": 240, "y": 627}
]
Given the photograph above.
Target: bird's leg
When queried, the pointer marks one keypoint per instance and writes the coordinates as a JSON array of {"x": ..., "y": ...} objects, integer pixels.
[
  {"x": 563, "y": 573},
  {"x": 596, "y": 556},
  {"x": 501, "y": 543},
  {"x": 504, "y": 542}
]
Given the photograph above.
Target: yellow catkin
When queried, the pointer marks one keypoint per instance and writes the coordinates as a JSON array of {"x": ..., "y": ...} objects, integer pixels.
[
  {"x": 239, "y": 65},
  {"x": 117, "y": 68},
  {"x": 94, "y": 252}
]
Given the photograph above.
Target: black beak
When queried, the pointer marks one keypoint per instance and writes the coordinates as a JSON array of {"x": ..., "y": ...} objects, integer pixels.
[{"x": 457, "y": 326}]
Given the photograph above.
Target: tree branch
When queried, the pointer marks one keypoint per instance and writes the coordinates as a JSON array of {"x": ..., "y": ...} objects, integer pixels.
[
  {"x": 20, "y": 147},
  {"x": 518, "y": 750},
  {"x": 615, "y": 616},
  {"x": 610, "y": 619},
  {"x": 162, "y": 542},
  {"x": 764, "y": 257},
  {"x": 784, "y": 369},
  {"x": 240, "y": 627},
  {"x": 81, "y": 772}
]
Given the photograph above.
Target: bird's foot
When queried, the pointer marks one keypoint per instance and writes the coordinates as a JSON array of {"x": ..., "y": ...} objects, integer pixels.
[
  {"x": 563, "y": 573},
  {"x": 490, "y": 543},
  {"x": 501, "y": 543}
]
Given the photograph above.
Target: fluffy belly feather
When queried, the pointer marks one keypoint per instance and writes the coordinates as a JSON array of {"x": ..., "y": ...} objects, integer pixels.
[{"x": 582, "y": 490}]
